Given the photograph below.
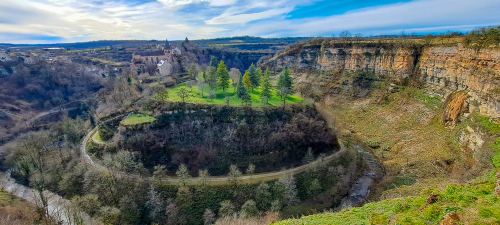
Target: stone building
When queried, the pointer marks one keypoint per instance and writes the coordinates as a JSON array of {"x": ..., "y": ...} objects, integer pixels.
[
  {"x": 153, "y": 57},
  {"x": 165, "y": 68}
]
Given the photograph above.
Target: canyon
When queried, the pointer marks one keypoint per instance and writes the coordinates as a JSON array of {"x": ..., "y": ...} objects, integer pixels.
[{"x": 445, "y": 69}]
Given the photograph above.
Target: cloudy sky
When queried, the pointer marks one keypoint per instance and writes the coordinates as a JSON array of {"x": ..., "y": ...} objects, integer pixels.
[{"x": 56, "y": 21}]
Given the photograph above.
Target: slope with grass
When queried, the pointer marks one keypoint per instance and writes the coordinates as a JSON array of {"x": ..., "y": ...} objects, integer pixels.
[{"x": 474, "y": 203}]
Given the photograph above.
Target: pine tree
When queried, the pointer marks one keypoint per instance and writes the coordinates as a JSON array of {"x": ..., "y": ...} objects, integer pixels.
[
  {"x": 263, "y": 196},
  {"x": 213, "y": 61},
  {"x": 241, "y": 89},
  {"x": 254, "y": 77},
  {"x": 212, "y": 77},
  {"x": 285, "y": 85},
  {"x": 223, "y": 76},
  {"x": 259, "y": 76},
  {"x": 266, "y": 86},
  {"x": 247, "y": 81},
  {"x": 184, "y": 199},
  {"x": 285, "y": 80}
]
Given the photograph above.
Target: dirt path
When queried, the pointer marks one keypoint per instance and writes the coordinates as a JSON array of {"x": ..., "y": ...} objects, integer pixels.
[{"x": 196, "y": 180}]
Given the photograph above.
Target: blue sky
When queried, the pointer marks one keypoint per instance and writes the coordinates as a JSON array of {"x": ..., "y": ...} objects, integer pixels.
[{"x": 56, "y": 21}]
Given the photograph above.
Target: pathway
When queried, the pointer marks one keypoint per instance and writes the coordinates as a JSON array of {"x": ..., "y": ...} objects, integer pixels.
[{"x": 195, "y": 180}]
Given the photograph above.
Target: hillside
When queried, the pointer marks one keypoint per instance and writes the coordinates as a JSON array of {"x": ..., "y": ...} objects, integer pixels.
[{"x": 428, "y": 112}]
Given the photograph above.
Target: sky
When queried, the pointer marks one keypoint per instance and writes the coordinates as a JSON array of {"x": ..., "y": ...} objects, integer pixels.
[{"x": 64, "y": 21}]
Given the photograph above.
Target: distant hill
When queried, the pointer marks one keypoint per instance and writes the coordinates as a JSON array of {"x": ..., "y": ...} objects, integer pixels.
[{"x": 135, "y": 43}]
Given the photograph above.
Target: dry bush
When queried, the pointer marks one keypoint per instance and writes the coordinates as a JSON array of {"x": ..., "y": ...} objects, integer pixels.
[
  {"x": 14, "y": 211},
  {"x": 268, "y": 218}
]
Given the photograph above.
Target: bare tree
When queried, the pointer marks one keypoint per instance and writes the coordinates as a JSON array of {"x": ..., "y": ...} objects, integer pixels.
[
  {"x": 184, "y": 94},
  {"x": 160, "y": 172},
  {"x": 208, "y": 217},
  {"x": 204, "y": 176},
  {"x": 234, "y": 174},
  {"x": 183, "y": 173},
  {"x": 235, "y": 76}
]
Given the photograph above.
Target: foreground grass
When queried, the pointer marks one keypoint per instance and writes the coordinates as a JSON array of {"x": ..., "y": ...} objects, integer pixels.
[
  {"x": 135, "y": 119},
  {"x": 197, "y": 97},
  {"x": 475, "y": 203}
]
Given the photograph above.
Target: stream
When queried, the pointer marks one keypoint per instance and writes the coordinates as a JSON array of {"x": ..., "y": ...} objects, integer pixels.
[{"x": 360, "y": 190}]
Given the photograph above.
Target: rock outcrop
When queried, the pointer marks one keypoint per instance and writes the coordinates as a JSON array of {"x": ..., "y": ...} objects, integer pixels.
[{"x": 444, "y": 69}]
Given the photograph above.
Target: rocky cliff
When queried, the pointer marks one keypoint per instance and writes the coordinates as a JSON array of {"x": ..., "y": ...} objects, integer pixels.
[{"x": 444, "y": 69}]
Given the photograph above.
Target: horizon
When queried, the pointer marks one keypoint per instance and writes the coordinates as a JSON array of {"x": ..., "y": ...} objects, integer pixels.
[{"x": 68, "y": 21}]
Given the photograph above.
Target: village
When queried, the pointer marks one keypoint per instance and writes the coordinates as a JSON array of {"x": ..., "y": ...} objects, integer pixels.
[{"x": 151, "y": 60}]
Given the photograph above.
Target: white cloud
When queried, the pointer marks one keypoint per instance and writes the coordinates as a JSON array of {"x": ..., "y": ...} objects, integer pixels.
[
  {"x": 418, "y": 16},
  {"x": 217, "y": 3},
  {"x": 243, "y": 18},
  {"x": 84, "y": 20}
]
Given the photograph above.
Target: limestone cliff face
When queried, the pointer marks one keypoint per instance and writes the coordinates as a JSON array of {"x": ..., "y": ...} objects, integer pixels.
[
  {"x": 445, "y": 69},
  {"x": 457, "y": 68}
]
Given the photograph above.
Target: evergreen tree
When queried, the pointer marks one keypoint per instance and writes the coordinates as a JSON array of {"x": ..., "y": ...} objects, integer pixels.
[
  {"x": 247, "y": 81},
  {"x": 259, "y": 76},
  {"x": 266, "y": 86},
  {"x": 242, "y": 91},
  {"x": 212, "y": 77},
  {"x": 184, "y": 199},
  {"x": 254, "y": 77},
  {"x": 314, "y": 188},
  {"x": 263, "y": 196},
  {"x": 285, "y": 80},
  {"x": 223, "y": 76},
  {"x": 285, "y": 85},
  {"x": 213, "y": 61}
]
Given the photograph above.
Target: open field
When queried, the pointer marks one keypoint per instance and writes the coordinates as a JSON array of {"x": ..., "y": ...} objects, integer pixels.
[
  {"x": 135, "y": 119},
  {"x": 196, "y": 97}
]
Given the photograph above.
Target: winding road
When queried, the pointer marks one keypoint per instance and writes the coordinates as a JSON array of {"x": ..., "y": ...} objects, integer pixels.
[{"x": 176, "y": 180}]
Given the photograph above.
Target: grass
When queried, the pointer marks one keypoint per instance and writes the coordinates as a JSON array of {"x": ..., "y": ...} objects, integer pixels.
[
  {"x": 196, "y": 97},
  {"x": 136, "y": 119},
  {"x": 485, "y": 122},
  {"x": 104, "y": 61},
  {"x": 475, "y": 203}
]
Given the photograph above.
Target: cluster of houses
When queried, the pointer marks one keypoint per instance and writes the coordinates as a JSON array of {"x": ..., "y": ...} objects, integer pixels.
[
  {"x": 163, "y": 59},
  {"x": 27, "y": 58}
]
